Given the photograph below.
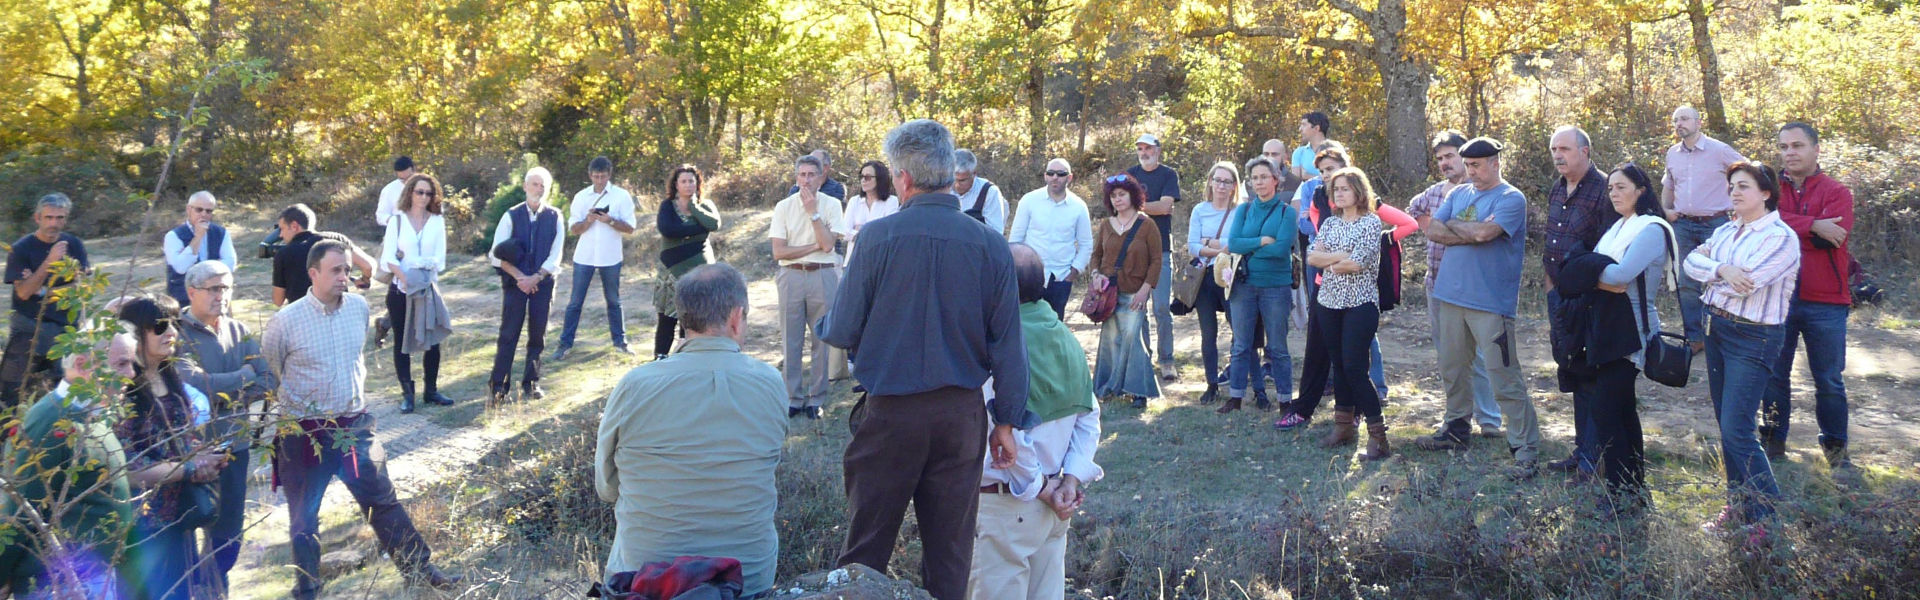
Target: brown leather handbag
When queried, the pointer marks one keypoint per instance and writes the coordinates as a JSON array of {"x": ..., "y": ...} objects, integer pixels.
[{"x": 1101, "y": 301}]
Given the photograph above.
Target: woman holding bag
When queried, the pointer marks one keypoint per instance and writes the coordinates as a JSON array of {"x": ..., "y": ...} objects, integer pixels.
[
  {"x": 1641, "y": 245},
  {"x": 161, "y": 436},
  {"x": 414, "y": 250},
  {"x": 1126, "y": 257},
  {"x": 1206, "y": 231},
  {"x": 1262, "y": 234}
]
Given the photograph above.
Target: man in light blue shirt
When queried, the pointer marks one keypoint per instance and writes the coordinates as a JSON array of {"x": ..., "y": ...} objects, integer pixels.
[
  {"x": 1475, "y": 298},
  {"x": 1314, "y": 129}
]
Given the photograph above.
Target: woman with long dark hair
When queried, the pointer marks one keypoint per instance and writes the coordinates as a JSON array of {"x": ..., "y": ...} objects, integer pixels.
[
  {"x": 1642, "y": 246},
  {"x": 415, "y": 251},
  {"x": 876, "y": 200},
  {"x": 686, "y": 220},
  {"x": 1126, "y": 254},
  {"x": 165, "y": 455},
  {"x": 1748, "y": 271}
]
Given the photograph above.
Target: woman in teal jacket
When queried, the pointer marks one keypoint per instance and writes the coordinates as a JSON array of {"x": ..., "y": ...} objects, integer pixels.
[{"x": 1262, "y": 233}]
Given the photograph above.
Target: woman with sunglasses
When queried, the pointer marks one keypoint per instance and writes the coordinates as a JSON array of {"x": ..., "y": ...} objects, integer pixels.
[
  {"x": 686, "y": 219},
  {"x": 1748, "y": 271},
  {"x": 876, "y": 200},
  {"x": 162, "y": 439},
  {"x": 1122, "y": 366},
  {"x": 1206, "y": 241},
  {"x": 415, "y": 252}
]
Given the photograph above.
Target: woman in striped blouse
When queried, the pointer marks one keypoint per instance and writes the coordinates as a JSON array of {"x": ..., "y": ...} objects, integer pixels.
[{"x": 1747, "y": 271}]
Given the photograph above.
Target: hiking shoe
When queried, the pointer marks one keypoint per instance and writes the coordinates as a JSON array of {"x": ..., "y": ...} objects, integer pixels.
[
  {"x": 1492, "y": 431},
  {"x": 1210, "y": 395},
  {"x": 1290, "y": 422},
  {"x": 1140, "y": 402},
  {"x": 1522, "y": 470},
  {"x": 623, "y": 349},
  {"x": 1570, "y": 463},
  {"x": 1776, "y": 448},
  {"x": 1444, "y": 439},
  {"x": 561, "y": 354},
  {"x": 1169, "y": 373},
  {"x": 1837, "y": 456}
]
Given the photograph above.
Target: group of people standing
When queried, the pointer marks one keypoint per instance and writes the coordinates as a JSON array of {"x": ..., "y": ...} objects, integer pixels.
[{"x": 976, "y": 403}]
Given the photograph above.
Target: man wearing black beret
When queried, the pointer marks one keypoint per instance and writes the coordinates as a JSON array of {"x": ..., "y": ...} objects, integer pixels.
[{"x": 1475, "y": 298}]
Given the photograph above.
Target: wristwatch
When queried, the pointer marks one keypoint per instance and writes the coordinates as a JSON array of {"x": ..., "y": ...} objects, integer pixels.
[{"x": 816, "y": 217}]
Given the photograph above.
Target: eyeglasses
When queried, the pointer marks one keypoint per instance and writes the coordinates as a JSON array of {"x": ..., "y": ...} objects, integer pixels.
[
  {"x": 424, "y": 193},
  {"x": 217, "y": 289},
  {"x": 198, "y": 209},
  {"x": 1117, "y": 179},
  {"x": 1051, "y": 173},
  {"x": 1224, "y": 182},
  {"x": 868, "y": 178}
]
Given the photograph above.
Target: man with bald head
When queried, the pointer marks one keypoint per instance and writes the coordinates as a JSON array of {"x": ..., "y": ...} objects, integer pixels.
[
  {"x": 1055, "y": 224},
  {"x": 1694, "y": 192},
  {"x": 1276, "y": 151},
  {"x": 198, "y": 239},
  {"x": 1578, "y": 213}
]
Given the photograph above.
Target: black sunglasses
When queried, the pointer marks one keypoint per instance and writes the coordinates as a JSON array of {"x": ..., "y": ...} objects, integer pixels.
[{"x": 1058, "y": 173}]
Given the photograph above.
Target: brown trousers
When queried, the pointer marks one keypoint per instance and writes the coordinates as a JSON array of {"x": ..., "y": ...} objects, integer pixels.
[{"x": 926, "y": 448}]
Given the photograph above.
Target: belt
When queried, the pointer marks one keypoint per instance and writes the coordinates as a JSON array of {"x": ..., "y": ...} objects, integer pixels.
[
  {"x": 808, "y": 266},
  {"x": 1702, "y": 219},
  {"x": 1722, "y": 313},
  {"x": 998, "y": 488}
]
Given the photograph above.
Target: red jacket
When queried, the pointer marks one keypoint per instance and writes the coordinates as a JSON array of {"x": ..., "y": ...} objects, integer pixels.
[{"x": 1823, "y": 271}]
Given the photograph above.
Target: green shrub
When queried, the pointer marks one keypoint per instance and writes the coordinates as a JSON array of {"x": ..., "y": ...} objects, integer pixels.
[{"x": 105, "y": 203}]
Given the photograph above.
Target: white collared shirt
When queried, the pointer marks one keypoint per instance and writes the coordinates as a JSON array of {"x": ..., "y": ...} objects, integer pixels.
[
  {"x": 601, "y": 245},
  {"x": 1063, "y": 446},
  {"x": 389, "y": 202},
  {"x": 994, "y": 209},
  {"x": 1060, "y": 231}
]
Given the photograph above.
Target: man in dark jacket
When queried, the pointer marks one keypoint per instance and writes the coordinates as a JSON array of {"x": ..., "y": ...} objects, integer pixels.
[{"x": 1819, "y": 209}]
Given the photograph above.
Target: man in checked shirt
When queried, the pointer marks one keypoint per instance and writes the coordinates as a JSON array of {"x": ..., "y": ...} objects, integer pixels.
[
  {"x": 313, "y": 345},
  {"x": 1578, "y": 213}
]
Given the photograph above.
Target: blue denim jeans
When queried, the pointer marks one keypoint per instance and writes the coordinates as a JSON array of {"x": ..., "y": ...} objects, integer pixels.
[
  {"x": 1267, "y": 308},
  {"x": 583, "y": 276},
  {"x": 1824, "y": 326},
  {"x": 1122, "y": 366},
  {"x": 1740, "y": 359},
  {"x": 1162, "y": 313},
  {"x": 1689, "y": 235}
]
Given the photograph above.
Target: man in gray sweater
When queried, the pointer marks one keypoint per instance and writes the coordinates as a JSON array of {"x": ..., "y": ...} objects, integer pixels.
[{"x": 225, "y": 364}]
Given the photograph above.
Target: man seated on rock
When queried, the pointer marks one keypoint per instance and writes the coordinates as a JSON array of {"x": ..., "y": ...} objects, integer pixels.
[
  {"x": 689, "y": 443},
  {"x": 1021, "y": 546}
]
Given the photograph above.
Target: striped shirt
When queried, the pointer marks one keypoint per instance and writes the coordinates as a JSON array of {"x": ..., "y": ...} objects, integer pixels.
[
  {"x": 1769, "y": 252},
  {"x": 316, "y": 355}
]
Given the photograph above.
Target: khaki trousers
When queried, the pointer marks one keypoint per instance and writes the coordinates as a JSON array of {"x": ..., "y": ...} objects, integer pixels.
[
  {"x": 1019, "y": 551},
  {"x": 805, "y": 297},
  {"x": 1460, "y": 334}
]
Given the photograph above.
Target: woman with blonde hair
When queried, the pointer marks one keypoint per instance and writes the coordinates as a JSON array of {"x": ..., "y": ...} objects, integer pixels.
[{"x": 1206, "y": 241}]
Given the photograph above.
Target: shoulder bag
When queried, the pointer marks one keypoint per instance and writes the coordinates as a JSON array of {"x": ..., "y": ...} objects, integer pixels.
[
  {"x": 1667, "y": 358},
  {"x": 1102, "y": 300},
  {"x": 1191, "y": 272},
  {"x": 381, "y": 273}
]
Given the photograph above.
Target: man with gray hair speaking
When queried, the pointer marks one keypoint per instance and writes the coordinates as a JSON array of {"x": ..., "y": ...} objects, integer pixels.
[
  {"x": 951, "y": 319},
  {"x": 35, "y": 321},
  {"x": 678, "y": 487}
]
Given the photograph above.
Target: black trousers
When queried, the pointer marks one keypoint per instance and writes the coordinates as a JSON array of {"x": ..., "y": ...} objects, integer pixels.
[
  {"x": 25, "y": 370},
  {"x": 1348, "y": 333},
  {"x": 403, "y": 362},
  {"x": 1207, "y": 307},
  {"x": 927, "y": 449},
  {"x": 520, "y": 309},
  {"x": 1059, "y": 294},
  {"x": 663, "y": 334},
  {"x": 1317, "y": 365},
  {"x": 1616, "y": 416}
]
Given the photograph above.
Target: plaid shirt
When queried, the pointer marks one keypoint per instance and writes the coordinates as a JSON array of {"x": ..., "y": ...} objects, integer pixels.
[
  {"x": 1576, "y": 220},
  {"x": 1423, "y": 205},
  {"x": 316, "y": 355}
]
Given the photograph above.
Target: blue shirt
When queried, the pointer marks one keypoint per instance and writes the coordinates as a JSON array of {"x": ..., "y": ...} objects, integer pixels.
[
  {"x": 1485, "y": 276},
  {"x": 930, "y": 302},
  {"x": 1303, "y": 158}
]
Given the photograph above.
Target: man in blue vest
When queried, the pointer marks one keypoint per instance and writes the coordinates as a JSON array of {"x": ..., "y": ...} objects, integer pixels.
[
  {"x": 197, "y": 239},
  {"x": 532, "y": 234}
]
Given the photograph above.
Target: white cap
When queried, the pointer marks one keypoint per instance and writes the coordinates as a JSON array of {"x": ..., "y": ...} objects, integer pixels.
[{"x": 1148, "y": 139}]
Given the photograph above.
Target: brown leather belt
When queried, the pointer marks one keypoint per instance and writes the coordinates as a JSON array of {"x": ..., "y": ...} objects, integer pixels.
[
  {"x": 1722, "y": 313},
  {"x": 1703, "y": 220},
  {"x": 998, "y": 488},
  {"x": 807, "y": 266}
]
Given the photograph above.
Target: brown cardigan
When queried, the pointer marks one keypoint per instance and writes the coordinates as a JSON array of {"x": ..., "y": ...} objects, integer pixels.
[{"x": 1143, "y": 261}]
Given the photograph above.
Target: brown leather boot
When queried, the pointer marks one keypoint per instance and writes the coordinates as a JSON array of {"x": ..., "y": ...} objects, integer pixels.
[
  {"x": 1376, "y": 442},
  {"x": 1343, "y": 432},
  {"x": 1232, "y": 404}
]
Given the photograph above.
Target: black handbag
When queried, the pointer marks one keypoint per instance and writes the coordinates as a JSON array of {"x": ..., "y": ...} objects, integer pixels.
[
  {"x": 1667, "y": 358},
  {"x": 199, "y": 505}
]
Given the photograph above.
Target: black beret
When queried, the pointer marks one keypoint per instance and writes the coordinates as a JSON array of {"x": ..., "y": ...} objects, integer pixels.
[{"x": 1482, "y": 147}]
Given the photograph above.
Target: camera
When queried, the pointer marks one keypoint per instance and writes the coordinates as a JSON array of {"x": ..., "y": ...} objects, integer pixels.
[
  {"x": 271, "y": 245},
  {"x": 602, "y": 210}
]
